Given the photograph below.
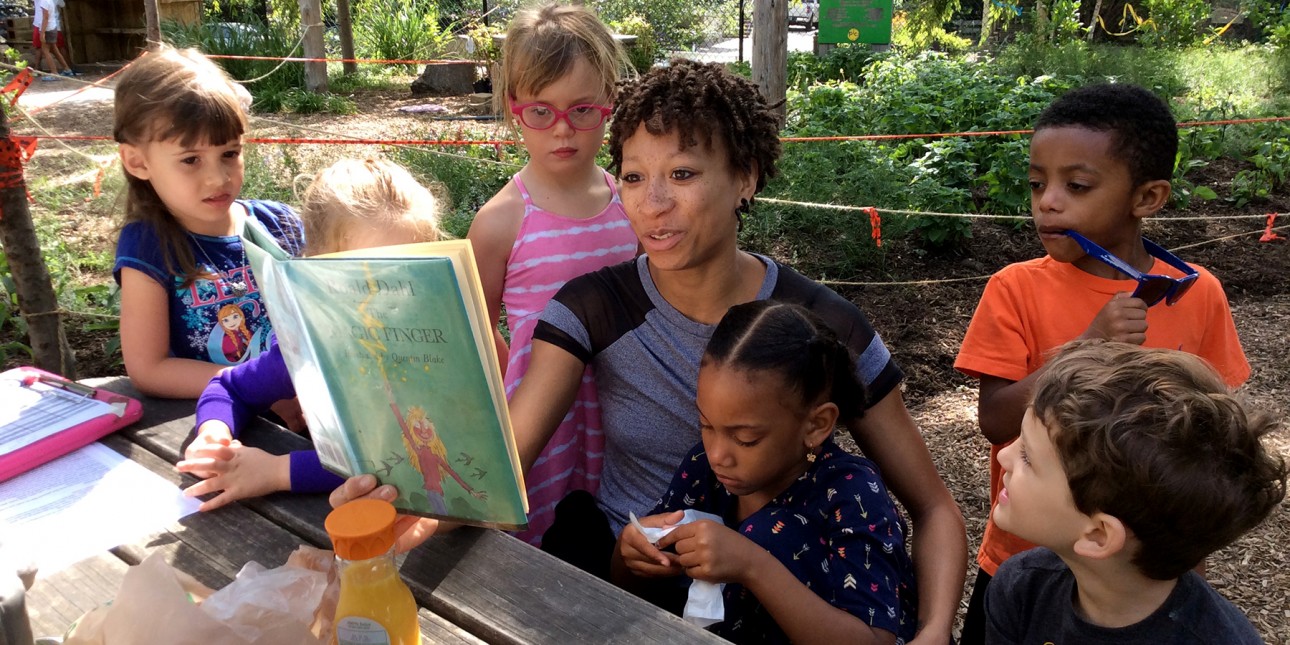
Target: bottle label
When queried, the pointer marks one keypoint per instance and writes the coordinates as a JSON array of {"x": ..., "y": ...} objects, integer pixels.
[{"x": 356, "y": 630}]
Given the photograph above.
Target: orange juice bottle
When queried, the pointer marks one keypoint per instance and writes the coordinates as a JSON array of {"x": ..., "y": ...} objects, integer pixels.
[{"x": 375, "y": 607}]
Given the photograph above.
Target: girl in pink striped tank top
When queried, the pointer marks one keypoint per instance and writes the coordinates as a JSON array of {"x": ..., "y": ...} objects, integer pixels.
[{"x": 558, "y": 218}]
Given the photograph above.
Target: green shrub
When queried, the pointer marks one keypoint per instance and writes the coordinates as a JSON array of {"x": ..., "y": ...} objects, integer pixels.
[
  {"x": 1271, "y": 161},
  {"x": 304, "y": 102},
  {"x": 1154, "y": 69},
  {"x": 466, "y": 176},
  {"x": 264, "y": 78},
  {"x": 645, "y": 51},
  {"x": 400, "y": 30},
  {"x": 677, "y": 24},
  {"x": 900, "y": 94},
  {"x": 1174, "y": 23},
  {"x": 917, "y": 37},
  {"x": 846, "y": 62}
]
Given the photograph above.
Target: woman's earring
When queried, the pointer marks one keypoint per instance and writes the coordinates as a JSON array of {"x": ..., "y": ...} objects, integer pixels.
[{"x": 810, "y": 454}]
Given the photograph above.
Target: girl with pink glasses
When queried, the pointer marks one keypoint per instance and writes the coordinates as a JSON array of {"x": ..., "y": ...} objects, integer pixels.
[{"x": 558, "y": 218}]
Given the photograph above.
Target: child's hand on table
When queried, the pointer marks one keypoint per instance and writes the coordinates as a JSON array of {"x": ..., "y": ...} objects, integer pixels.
[
  {"x": 712, "y": 552},
  {"x": 210, "y": 436},
  {"x": 236, "y": 472}
]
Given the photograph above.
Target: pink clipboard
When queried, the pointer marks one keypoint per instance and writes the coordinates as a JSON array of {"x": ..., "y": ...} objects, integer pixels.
[{"x": 51, "y": 416}]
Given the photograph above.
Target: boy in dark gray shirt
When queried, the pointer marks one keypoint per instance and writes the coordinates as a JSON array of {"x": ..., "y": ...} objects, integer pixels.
[{"x": 1133, "y": 465}]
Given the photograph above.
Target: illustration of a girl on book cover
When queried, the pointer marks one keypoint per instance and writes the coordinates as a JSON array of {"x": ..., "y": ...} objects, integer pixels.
[{"x": 429, "y": 455}]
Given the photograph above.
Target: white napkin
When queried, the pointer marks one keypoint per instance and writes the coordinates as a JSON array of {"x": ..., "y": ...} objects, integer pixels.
[{"x": 704, "y": 605}]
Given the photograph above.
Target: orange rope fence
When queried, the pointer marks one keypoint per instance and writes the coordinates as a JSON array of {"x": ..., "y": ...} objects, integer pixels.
[{"x": 378, "y": 61}]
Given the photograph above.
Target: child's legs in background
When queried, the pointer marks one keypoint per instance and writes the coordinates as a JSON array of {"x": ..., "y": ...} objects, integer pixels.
[
  {"x": 974, "y": 623},
  {"x": 57, "y": 44},
  {"x": 45, "y": 57}
]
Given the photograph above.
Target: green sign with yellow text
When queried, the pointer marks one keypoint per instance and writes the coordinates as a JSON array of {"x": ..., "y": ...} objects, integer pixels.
[{"x": 855, "y": 21}]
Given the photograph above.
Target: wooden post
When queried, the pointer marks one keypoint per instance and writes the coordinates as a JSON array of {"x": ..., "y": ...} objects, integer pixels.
[
  {"x": 770, "y": 51},
  {"x": 154, "y": 23},
  {"x": 311, "y": 22},
  {"x": 37, "y": 301},
  {"x": 346, "y": 29}
]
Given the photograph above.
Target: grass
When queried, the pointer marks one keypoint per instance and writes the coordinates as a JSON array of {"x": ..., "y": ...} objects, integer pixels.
[
  {"x": 1243, "y": 79},
  {"x": 368, "y": 77}
]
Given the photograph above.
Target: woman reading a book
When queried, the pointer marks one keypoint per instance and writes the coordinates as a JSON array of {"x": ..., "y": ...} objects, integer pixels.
[{"x": 692, "y": 145}]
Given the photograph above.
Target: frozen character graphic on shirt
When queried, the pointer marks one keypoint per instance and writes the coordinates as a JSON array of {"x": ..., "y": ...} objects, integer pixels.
[
  {"x": 429, "y": 455},
  {"x": 237, "y": 337}
]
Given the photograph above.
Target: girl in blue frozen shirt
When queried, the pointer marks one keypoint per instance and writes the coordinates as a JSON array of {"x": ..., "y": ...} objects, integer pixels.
[{"x": 179, "y": 120}]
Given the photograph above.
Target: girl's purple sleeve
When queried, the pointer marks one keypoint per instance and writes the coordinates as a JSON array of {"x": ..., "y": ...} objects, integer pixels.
[
  {"x": 309, "y": 476},
  {"x": 243, "y": 390}
]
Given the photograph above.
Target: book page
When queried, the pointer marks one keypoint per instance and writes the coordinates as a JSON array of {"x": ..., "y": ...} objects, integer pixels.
[
  {"x": 82, "y": 504},
  {"x": 34, "y": 412}
]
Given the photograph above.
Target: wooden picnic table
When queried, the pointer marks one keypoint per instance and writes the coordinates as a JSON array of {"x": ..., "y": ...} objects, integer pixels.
[{"x": 472, "y": 585}]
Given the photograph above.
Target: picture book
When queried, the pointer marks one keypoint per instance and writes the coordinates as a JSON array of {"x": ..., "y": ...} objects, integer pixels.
[{"x": 392, "y": 357}]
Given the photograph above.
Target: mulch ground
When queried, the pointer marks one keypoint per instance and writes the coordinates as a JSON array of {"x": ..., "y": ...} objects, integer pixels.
[{"x": 923, "y": 325}]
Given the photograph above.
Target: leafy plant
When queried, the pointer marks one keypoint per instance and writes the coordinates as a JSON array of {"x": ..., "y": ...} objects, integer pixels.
[
  {"x": 645, "y": 51},
  {"x": 1174, "y": 23},
  {"x": 677, "y": 24},
  {"x": 264, "y": 78},
  {"x": 10, "y": 321},
  {"x": 1271, "y": 170},
  {"x": 469, "y": 175},
  {"x": 304, "y": 102},
  {"x": 400, "y": 30}
]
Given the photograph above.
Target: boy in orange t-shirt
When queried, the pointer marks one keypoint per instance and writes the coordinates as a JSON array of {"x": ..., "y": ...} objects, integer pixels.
[{"x": 1100, "y": 161}]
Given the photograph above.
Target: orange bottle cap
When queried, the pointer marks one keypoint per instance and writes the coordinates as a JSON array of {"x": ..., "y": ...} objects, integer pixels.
[{"x": 361, "y": 529}]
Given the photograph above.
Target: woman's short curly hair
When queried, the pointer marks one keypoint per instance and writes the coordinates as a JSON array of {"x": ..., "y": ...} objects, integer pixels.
[{"x": 699, "y": 101}]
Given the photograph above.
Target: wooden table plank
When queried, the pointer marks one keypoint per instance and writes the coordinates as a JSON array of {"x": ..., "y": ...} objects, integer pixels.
[
  {"x": 485, "y": 581},
  {"x": 504, "y": 590},
  {"x": 436, "y": 629},
  {"x": 55, "y": 601}
]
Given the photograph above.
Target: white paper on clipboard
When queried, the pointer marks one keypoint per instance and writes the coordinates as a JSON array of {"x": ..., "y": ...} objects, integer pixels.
[{"x": 31, "y": 413}]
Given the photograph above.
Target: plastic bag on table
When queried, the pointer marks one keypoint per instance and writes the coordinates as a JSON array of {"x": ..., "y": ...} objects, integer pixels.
[{"x": 293, "y": 603}]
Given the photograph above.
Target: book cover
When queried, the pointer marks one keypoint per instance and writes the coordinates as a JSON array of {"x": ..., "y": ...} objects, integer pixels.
[{"x": 392, "y": 357}]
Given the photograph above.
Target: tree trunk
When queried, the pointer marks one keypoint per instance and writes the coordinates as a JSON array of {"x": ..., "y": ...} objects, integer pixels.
[
  {"x": 1092, "y": 21},
  {"x": 770, "y": 51},
  {"x": 987, "y": 23},
  {"x": 1041, "y": 20},
  {"x": 37, "y": 302},
  {"x": 346, "y": 29},
  {"x": 311, "y": 22},
  {"x": 153, "y": 19}
]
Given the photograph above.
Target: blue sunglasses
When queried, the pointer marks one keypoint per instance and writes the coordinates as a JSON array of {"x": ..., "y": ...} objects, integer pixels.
[{"x": 1152, "y": 288}]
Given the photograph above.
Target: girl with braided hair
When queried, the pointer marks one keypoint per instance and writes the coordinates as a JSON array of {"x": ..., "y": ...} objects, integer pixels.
[{"x": 811, "y": 547}]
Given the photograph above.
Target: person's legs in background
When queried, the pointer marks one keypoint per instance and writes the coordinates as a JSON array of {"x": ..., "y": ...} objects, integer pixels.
[
  {"x": 43, "y": 55},
  {"x": 53, "y": 39},
  {"x": 63, "y": 53}
]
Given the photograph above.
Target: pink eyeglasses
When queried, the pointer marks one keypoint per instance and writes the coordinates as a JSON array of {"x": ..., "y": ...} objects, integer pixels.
[{"x": 542, "y": 116}]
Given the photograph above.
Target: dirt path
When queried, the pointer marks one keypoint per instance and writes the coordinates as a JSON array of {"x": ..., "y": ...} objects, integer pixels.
[{"x": 923, "y": 327}]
